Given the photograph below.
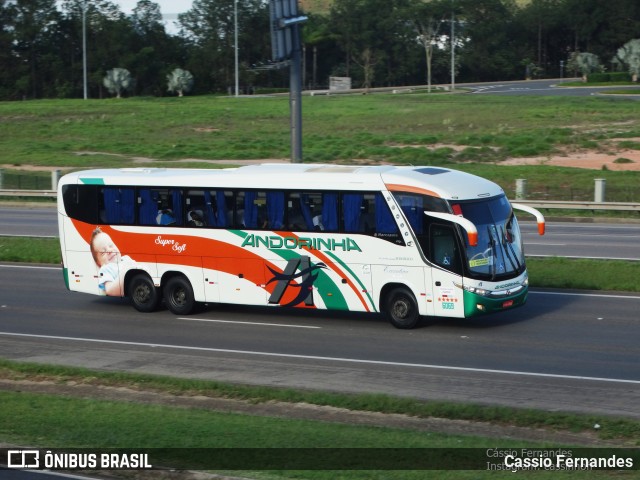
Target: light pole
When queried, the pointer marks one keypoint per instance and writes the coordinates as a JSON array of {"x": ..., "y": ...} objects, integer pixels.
[
  {"x": 84, "y": 48},
  {"x": 235, "y": 23},
  {"x": 453, "y": 50}
]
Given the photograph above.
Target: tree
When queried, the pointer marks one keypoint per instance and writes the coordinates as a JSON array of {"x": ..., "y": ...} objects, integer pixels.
[
  {"x": 118, "y": 80},
  {"x": 374, "y": 34},
  {"x": 179, "y": 81},
  {"x": 147, "y": 18},
  {"x": 428, "y": 19},
  {"x": 629, "y": 54},
  {"x": 34, "y": 28},
  {"x": 585, "y": 63},
  {"x": 491, "y": 49},
  {"x": 208, "y": 30}
]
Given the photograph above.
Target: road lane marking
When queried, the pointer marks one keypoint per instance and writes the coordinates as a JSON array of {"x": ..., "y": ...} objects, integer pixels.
[
  {"x": 34, "y": 267},
  {"x": 633, "y": 259},
  {"x": 600, "y": 295},
  {"x": 245, "y": 323},
  {"x": 327, "y": 359}
]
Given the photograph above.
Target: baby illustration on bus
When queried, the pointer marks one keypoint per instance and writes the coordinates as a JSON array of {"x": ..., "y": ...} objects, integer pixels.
[{"x": 110, "y": 262}]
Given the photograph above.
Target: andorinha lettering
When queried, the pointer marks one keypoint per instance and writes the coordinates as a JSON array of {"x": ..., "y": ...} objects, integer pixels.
[{"x": 294, "y": 243}]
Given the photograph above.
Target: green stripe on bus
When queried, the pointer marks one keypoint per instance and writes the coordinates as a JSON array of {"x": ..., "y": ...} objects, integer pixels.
[
  {"x": 363, "y": 287},
  {"x": 92, "y": 181},
  {"x": 327, "y": 288}
]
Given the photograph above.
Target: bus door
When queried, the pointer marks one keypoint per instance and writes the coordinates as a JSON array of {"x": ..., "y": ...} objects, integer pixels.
[{"x": 445, "y": 254}]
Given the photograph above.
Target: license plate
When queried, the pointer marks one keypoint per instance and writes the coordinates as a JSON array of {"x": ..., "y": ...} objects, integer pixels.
[{"x": 507, "y": 304}]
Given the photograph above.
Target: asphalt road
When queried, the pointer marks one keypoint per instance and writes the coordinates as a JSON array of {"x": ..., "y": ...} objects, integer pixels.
[
  {"x": 596, "y": 240},
  {"x": 562, "y": 351},
  {"x": 583, "y": 240},
  {"x": 548, "y": 87},
  {"x": 29, "y": 221}
]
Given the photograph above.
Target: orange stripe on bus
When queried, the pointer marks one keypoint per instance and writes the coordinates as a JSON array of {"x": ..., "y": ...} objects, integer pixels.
[{"x": 392, "y": 187}]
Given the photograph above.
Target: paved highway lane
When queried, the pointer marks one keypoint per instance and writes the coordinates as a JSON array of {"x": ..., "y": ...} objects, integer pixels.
[
  {"x": 583, "y": 240},
  {"x": 548, "y": 87},
  {"x": 560, "y": 352},
  {"x": 29, "y": 222}
]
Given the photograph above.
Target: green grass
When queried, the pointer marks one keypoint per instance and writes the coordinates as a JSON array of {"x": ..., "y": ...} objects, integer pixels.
[
  {"x": 51, "y": 133},
  {"x": 67, "y": 422},
  {"x": 30, "y": 250},
  {"x": 613, "y": 275},
  {"x": 402, "y": 129}
]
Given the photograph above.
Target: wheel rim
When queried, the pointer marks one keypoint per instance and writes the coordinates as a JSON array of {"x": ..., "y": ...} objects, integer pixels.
[
  {"x": 401, "y": 309},
  {"x": 142, "y": 293},
  {"x": 178, "y": 297}
]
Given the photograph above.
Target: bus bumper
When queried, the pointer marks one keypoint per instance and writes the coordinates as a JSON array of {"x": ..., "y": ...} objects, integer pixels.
[{"x": 475, "y": 304}]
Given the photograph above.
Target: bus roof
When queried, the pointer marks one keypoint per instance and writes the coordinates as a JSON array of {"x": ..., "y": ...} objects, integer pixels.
[{"x": 437, "y": 181}]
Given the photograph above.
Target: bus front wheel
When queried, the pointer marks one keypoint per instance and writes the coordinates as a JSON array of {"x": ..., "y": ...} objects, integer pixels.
[
  {"x": 143, "y": 293},
  {"x": 402, "y": 309},
  {"x": 178, "y": 295}
]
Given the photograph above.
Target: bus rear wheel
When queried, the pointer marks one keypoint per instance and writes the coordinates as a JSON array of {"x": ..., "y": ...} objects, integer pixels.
[
  {"x": 143, "y": 293},
  {"x": 178, "y": 295},
  {"x": 402, "y": 309}
]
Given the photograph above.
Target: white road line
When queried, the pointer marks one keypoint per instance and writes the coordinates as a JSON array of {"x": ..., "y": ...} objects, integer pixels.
[
  {"x": 628, "y": 259},
  {"x": 34, "y": 267},
  {"x": 327, "y": 359},
  {"x": 599, "y": 295},
  {"x": 245, "y": 323}
]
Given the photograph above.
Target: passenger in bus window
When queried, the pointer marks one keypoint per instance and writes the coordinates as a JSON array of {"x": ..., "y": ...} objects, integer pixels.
[
  {"x": 110, "y": 262},
  {"x": 165, "y": 217},
  {"x": 195, "y": 218}
]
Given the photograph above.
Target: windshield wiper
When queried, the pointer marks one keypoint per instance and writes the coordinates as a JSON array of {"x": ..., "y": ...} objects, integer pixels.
[
  {"x": 509, "y": 251},
  {"x": 492, "y": 244}
]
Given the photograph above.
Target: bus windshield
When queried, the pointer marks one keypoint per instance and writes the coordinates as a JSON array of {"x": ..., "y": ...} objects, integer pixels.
[{"x": 499, "y": 250}]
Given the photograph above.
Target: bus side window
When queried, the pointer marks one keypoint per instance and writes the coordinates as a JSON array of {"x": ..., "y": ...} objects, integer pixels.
[
  {"x": 275, "y": 210},
  {"x": 117, "y": 206},
  {"x": 352, "y": 210},
  {"x": 385, "y": 225},
  {"x": 80, "y": 202},
  {"x": 159, "y": 206},
  {"x": 329, "y": 213}
]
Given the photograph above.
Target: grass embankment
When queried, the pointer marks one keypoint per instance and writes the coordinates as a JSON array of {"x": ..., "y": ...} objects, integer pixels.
[
  {"x": 67, "y": 422},
  {"x": 472, "y": 133}
]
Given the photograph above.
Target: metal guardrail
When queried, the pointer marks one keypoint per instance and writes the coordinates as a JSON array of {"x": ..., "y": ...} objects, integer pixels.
[
  {"x": 558, "y": 204},
  {"x": 550, "y": 204},
  {"x": 28, "y": 193}
]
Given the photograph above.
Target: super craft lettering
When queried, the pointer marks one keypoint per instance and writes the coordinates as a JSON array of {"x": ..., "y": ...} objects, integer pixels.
[{"x": 175, "y": 246}]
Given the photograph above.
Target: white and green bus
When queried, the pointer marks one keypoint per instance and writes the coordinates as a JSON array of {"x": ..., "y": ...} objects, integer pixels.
[{"x": 404, "y": 241}]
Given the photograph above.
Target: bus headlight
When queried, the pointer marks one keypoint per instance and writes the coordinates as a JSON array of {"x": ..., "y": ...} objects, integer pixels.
[{"x": 478, "y": 291}]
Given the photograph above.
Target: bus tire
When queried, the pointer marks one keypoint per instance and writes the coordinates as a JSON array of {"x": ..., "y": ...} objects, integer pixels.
[
  {"x": 144, "y": 295},
  {"x": 402, "y": 309},
  {"x": 178, "y": 295}
]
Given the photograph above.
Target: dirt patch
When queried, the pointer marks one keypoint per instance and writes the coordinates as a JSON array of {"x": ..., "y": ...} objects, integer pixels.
[
  {"x": 608, "y": 156},
  {"x": 589, "y": 159}
]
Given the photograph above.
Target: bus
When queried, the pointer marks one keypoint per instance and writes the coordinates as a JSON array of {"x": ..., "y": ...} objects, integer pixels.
[{"x": 406, "y": 242}]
